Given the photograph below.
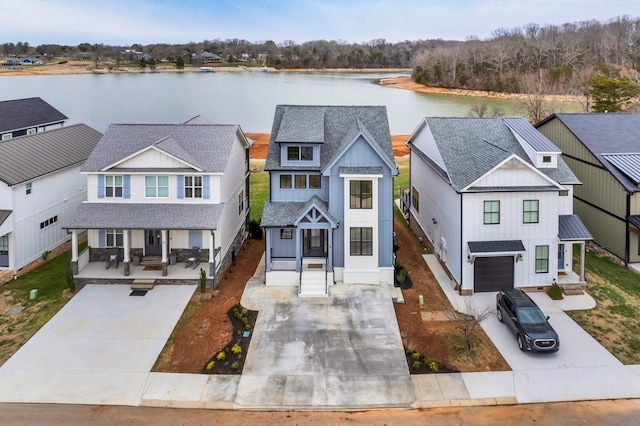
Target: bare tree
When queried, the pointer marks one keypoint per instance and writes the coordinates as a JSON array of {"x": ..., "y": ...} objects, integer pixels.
[
  {"x": 467, "y": 318},
  {"x": 484, "y": 110}
]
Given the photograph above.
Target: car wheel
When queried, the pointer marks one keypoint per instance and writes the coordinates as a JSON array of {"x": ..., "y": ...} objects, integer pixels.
[
  {"x": 500, "y": 315},
  {"x": 520, "y": 343}
]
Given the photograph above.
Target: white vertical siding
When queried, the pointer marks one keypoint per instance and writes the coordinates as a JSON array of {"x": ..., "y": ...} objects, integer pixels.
[
  {"x": 6, "y": 197},
  {"x": 57, "y": 194},
  {"x": 439, "y": 201},
  {"x": 152, "y": 158}
]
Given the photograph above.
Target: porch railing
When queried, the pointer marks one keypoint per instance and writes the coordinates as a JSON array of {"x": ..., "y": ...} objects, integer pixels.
[{"x": 83, "y": 258}]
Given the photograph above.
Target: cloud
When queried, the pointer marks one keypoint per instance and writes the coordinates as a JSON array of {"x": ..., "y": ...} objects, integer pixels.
[{"x": 126, "y": 22}]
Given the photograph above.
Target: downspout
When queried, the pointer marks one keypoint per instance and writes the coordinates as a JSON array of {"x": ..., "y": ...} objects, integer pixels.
[
  {"x": 461, "y": 250},
  {"x": 627, "y": 242}
]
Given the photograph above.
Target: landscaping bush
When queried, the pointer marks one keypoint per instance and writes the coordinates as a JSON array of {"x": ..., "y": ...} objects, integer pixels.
[
  {"x": 555, "y": 292},
  {"x": 255, "y": 231}
]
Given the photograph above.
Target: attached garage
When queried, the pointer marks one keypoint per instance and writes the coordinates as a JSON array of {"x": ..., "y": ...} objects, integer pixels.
[
  {"x": 493, "y": 264},
  {"x": 493, "y": 273}
]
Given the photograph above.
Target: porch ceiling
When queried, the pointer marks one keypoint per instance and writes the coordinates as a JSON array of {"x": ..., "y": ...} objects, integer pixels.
[{"x": 145, "y": 216}]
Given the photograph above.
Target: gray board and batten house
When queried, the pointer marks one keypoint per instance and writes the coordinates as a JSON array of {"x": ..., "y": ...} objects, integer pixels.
[
  {"x": 21, "y": 117},
  {"x": 603, "y": 150},
  {"x": 330, "y": 214},
  {"x": 40, "y": 188},
  {"x": 161, "y": 198},
  {"x": 493, "y": 196}
]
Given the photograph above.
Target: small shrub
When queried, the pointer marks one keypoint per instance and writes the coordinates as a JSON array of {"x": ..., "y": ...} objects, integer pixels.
[
  {"x": 236, "y": 349},
  {"x": 45, "y": 255},
  {"x": 247, "y": 327},
  {"x": 410, "y": 350},
  {"x": 433, "y": 365},
  {"x": 210, "y": 365},
  {"x": 416, "y": 355},
  {"x": 555, "y": 291},
  {"x": 402, "y": 276},
  {"x": 244, "y": 312},
  {"x": 71, "y": 283},
  {"x": 245, "y": 320},
  {"x": 203, "y": 280},
  {"x": 221, "y": 356},
  {"x": 254, "y": 230},
  {"x": 235, "y": 365},
  {"x": 416, "y": 365}
]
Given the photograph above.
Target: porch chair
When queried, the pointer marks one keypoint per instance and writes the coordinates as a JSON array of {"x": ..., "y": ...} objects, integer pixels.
[
  {"x": 112, "y": 259},
  {"x": 193, "y": 260}
]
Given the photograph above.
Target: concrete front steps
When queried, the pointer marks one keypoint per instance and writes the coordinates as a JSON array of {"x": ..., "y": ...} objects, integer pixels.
[{"x": 313, "y": 281}]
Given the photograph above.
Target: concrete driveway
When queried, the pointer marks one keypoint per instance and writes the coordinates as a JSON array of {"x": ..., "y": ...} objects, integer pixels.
[
  {"x": 98, "y": 349},
  {"x": 343, "y": 351}
]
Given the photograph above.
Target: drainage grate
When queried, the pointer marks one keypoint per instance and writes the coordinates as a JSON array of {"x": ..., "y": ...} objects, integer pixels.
[{"x": 138, "y": 292}]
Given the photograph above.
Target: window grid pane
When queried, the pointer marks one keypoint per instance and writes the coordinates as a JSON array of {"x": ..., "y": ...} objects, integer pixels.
[
  {"x": 301, "y": 181},
  {"x": 530, "y": 211},
  {"x": 285, "y": 181},
  {"x": 361, "y": 241},
  {"x": 360, "y": 196},
  {"x": 293, "y": 153},
  {"x": 306, "y": 153},
  {"x": 491, "y": 212},
  {"x": 542, "y": 259},
  {"x": 315, "y": 181}
]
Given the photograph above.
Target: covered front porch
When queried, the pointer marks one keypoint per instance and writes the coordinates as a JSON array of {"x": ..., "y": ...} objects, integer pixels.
[
  {"x": 571, "y": 233},
  {"x": 129, "y": 242}
]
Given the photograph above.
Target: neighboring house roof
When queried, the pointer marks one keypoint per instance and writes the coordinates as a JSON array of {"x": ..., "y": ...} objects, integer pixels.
[
  {"x": 28, "y": 157},
  {"x": 604, "y": 134},
  {"x": 145, "y": 216},
  {"x": 27, "y": 113},
  {"x": 471, "y": 147},
  {"x": 634, "y": 220},
  {"x": 570, "y": 227},
  {"x": 4, "y": 214},
  {"x": 281, "y": 214},
  {"x": 204, "y": 146},
  {"x": 335, "y": 127}
]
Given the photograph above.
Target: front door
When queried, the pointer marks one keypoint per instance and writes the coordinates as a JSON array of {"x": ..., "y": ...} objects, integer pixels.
[
  {"x": 153, "y": 242},
  {"x": 560, "y": 257},
  {"x": 315, "y": 243}
]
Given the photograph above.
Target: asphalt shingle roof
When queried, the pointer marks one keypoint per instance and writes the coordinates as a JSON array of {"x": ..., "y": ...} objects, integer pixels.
[
  {"x": 280, "y": 214},
  {"x": 145, "y": 216},
  {"x": 204, "y": 146},
  {"x": 28, "y": 157},
  {"x": 601, "y": 134},
  {"x": 332, "y": 126},
  {"x": 471, "y": 147},
  {"x": 26, "y": 113}
]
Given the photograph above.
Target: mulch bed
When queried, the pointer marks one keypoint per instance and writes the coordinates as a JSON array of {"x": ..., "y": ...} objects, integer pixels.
[
  {"x": 419, "y": 364},
  {"x": 230, "y": 359}
]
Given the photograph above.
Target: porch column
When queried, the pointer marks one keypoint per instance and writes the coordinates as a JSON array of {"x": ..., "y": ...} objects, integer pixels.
[
  {"x": 212, "y": 259},
  {"x": 74, "y": 252},
  {"x": 298, "y": 250},
  {"x": 582, "y": 256},
  {"x": 125, "y": 256},
  {"x": 330, "y": 251},
  {"x": 267, "y": 249},
  {"x": 165, "y": 257}
]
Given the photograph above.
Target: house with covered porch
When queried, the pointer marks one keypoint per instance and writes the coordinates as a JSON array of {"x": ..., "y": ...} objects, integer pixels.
[
  {"x": 494, "y": 198},
  {"x": 330, "y": 214},
  {"x": 164, "y": 200}
]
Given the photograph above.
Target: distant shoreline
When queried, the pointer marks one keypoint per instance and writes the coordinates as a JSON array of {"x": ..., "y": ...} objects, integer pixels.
[{"x": 403, "y": 82}]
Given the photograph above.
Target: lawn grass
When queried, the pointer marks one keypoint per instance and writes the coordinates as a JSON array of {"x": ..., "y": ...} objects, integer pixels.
[
  {"x": 402, "y": 180},
  {"x": 615, "y": 321},
  {"x": 259, "y": 189},
  {"x": 50, "y": 280}
]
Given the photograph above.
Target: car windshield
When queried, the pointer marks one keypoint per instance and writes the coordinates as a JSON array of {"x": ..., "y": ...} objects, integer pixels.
[{"x": 531, "y": 316}]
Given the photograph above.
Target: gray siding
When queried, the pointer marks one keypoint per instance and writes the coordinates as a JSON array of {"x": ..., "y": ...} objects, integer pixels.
[{"x": 293, "y": 194}]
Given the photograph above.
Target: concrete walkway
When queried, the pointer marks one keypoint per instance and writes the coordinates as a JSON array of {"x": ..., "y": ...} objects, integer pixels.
[{"x": 306, "y": 354}]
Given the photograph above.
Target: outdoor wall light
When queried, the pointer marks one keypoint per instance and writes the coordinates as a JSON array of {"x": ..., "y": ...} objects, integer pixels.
[
  {"x": 519, "y": 257},
  {"x": 433, "y": 219}
]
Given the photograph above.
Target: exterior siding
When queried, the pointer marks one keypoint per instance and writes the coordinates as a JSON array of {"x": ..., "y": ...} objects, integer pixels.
[
  {"x": 607, "y": 230},
  {"x": 57, "y": 194},
  {"x": 570, "y": 146},
  {"x": 511, "y": 226},
  {"x": 440, "y": 202},
  {"x": 295, "y": 194}
]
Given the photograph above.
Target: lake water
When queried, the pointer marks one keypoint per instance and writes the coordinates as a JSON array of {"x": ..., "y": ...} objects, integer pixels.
[{"x": 245, "y": 98}]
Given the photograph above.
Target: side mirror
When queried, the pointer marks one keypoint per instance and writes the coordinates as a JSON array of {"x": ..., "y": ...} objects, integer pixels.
[
  {"x": 514, "y": 319},
  {"x": 548, "y": 317}
]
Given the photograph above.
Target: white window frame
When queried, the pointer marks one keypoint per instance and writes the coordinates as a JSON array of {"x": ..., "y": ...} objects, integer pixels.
[
  {"x": 113, "y": 186},
  {"x": 156, "y": 186},
  {"x": 193, "y": 187}
]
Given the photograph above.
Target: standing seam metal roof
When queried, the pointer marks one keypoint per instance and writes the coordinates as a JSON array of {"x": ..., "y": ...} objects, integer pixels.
[{"x": 28, "y": 157}]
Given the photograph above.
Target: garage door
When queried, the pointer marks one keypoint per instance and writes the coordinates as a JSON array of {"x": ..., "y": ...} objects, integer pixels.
[{"x": 493, "y": 273}]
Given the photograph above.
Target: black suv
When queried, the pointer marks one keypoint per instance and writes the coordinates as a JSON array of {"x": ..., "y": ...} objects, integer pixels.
[{"x": 534, "y": 333}]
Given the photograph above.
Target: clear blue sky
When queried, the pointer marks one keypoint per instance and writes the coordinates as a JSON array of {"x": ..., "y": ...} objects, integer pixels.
[{"x": 125, "y": 22}]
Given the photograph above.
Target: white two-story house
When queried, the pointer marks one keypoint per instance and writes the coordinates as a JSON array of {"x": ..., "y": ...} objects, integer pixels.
[
  {"x": 40, "y": 188},
  {"x": 162, "y": 194},
  {"x": 330, "y": 216},
  {"x": 494, "y": 198}
]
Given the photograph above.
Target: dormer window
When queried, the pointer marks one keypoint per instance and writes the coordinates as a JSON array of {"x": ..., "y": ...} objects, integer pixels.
[
  {"x": 546, "y": 159},
  {"x": 300, "y": 153}
]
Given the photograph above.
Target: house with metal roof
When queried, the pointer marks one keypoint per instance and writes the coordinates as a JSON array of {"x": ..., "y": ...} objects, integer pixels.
[
  {"x": 330, "y": 214},
  {"x": 603, "y": 150},
  {"x": 493, "y": 196},
  {"x": 163, "y": 199},
  {"x": 40, "y": 188},
  {"x": 21, "y": 117}
]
